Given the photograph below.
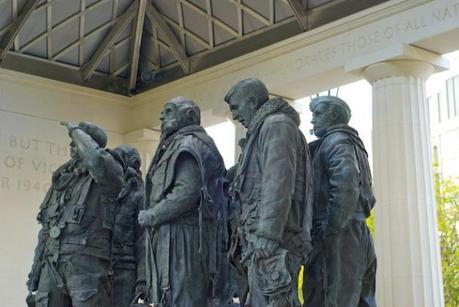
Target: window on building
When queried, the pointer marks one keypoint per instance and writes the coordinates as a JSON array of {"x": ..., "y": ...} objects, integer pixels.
[
  {"x": 439, "y": 107},
  {"x": 456, "y": 95},
  {"x": 429, "y": 107},
  {"x": 430, "y": 112},
  {"x": 450, "y": 98},
  {"x": 435, "y": 154}
]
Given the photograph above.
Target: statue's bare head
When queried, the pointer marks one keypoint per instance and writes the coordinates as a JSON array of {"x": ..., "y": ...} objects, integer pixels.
[
  {"x": 177, "y": 113},
  {"x": 245, "y": 98},
  {"x": 328, "y": 111}
]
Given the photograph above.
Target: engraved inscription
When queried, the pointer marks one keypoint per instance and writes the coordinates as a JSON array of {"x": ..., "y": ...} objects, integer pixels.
[
  {"x": 27, "y": 163},
  {"x": 358, "y": 42}
]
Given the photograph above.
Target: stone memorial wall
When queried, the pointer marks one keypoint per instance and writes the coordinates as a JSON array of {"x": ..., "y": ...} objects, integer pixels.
[{"x": 32, "y": 145}]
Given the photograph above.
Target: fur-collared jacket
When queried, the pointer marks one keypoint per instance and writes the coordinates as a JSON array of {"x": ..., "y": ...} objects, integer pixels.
[{"x": 273, "y": 180}]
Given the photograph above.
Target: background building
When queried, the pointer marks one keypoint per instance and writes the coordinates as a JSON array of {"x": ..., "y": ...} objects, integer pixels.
[{"x": 443, "y": 100}]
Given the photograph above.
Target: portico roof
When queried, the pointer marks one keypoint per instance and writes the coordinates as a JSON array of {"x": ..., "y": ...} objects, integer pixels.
[{"x": 130, "y": 46}]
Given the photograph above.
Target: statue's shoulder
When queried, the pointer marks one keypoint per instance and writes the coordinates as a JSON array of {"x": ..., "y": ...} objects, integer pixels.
[
  {"x": 335, "y": 141},
  {"x": 337, "y": 136},
  {"x": 198, "y": 142},
  {"x": 278, "y": 118},
  {"x": 188, "y": 142},
  {"x": 279, "y": 121}
]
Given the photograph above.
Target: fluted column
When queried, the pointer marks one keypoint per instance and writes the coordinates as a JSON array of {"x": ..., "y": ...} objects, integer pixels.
[
  {"x": 407, "y": 245},
  {"x": 239, "y": 134},
  {"x": 145, "y": 141}
]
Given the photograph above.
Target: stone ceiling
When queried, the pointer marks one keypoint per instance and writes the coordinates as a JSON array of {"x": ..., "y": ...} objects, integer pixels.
[{"x": 130, "y": 46}]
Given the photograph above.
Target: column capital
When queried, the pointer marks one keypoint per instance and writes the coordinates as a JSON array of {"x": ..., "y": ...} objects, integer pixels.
[
  {"x": 397, "y": 60},
  {"x": 142, "y": 135},
  {"x": 396, "y": 68}
]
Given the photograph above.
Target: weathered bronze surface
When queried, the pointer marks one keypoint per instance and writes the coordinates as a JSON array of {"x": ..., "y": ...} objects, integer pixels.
[
  {"x": 272, "y": 193},
  {"x": 72, "y": 258},
  {"x": 128, "y": 250},
  {"x": 342, "y": 266},
  {"x": 184, "y": 191}
]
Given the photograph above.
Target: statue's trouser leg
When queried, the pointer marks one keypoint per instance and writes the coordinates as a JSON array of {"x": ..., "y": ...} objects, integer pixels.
[
  {"x": 368, "y": 294},
  {"x": 348, "y": 256},
  {"x": 48, "y": 294},
  {"x": 313, "y": 293},
  {"x": 242, "y": 286},
  {"x": 124, "y": 281},
  {"x": 87, "y": 281},
  {"x": 289, "y": 299},
  {"x": 294, "y": 265},
  {"x": 188, "y": 268}
]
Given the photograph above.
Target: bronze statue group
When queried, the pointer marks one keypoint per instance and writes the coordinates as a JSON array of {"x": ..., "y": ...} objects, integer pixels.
[{"x": 194, "y": 234}]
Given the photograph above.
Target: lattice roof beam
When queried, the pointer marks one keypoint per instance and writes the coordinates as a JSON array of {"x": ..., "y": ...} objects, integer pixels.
[
  {"x": 172, "y": 41},
  {"x": 210, "y": 25},
  {"x": 121, "y": 23},
  {"x": 112, "y": 59},
  {"x": 240, "y": 23},
  {"x": 251, "y": 12},
  {"x": 43, "y": 5},
  {"x": 49, "y": 29},
  {"x": 214, "y": 19},
  {"x": 61, "y": 24},
  {"x": 77, "y": 42},
  {"x": 5, "y": 29},
  {"x": 16, "y": 26},
  {"x": 196, "y": 37},
  {"x": 81, "y": 32},
  {"x": 272, "y": 10},
  {"x": 300, "y": 13},
  {"x": 136, "y": 42},
  {"x": 181, "y": 22},
  {"x": 15, "y": 15},
  {"x": 156, "y": 55}
]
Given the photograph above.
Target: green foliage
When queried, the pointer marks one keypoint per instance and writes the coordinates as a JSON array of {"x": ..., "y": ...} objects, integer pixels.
[
  {"x": 371, "y": 223},
  {"x": 447, "y": 196},
  {"x": 300, "y": 285}
]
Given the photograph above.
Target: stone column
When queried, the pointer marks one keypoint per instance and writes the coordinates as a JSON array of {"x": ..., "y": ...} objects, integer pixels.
[
  {"x": 145, "y": 141},
  {"x": 239, "y": 134},
  {"x": 407, "y": 245}
]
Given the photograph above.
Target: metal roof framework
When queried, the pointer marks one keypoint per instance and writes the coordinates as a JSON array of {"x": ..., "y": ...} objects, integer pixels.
[{"x": 130, "y": 46}]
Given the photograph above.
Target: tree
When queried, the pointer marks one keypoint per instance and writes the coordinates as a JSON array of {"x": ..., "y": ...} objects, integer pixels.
[{"x": 447, "y": 197}]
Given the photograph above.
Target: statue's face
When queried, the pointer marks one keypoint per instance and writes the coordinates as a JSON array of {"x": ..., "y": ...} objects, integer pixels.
[
  {"x": 170, "y": 119},
  {"x": 130, "y": 156},
  {"x": 243, "y": 108},
  {"x": 133, "y": 160},
  {"x": 73, "y": 151},
  {"x": 322, "y": 118}
]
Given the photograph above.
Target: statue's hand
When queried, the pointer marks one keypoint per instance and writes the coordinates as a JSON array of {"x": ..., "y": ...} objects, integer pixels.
[
  {"x": 30, "y": 299},
  {"x": 265, "y": 248},
  {"x": 32, "y": 282},
  {"x": 70, "y": 126},
  {"x": 140, "y": 291},
  {"x": 145, "y": 218}
]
